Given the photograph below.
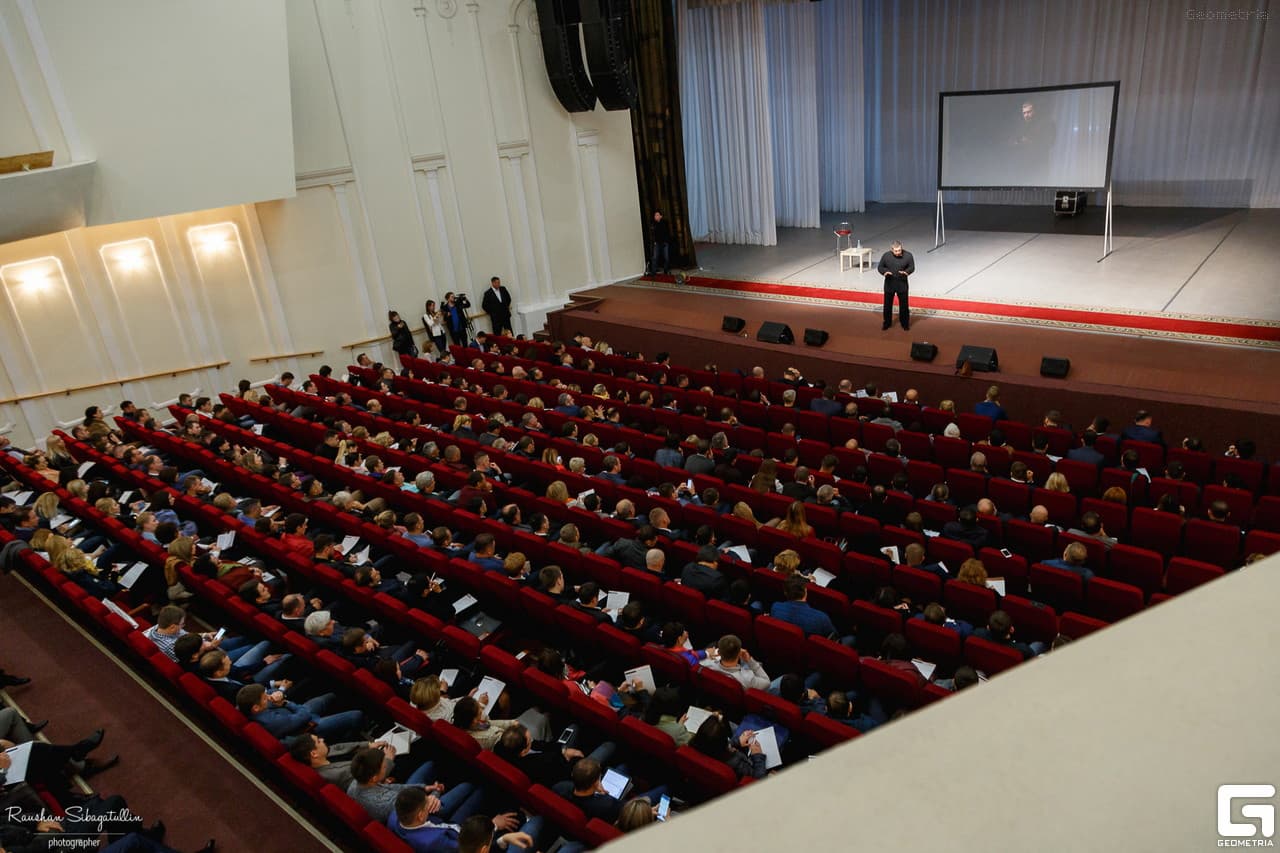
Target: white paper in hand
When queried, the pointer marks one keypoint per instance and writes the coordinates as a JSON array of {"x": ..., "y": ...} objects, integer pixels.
[
  {"x": 924, "y": 667},
  {"x": 257, "y": 429},
  {"x": 361, "y": 557},
  {"x": 616, "y": 601},
  {"x": 60, "y": 519},
  {"x": 349, "y": 543},
  {"x": 822, "y": 577},
  {"x": 741, "y": 552},
  {"x": 463, "y": 603},
  {"x": 84, "y": 466},
  {"x": 891, "y": 551},
  {"x": 997, "y": 584},
  {"x": 399, "y": 737},
  {"x": 21, "y": 498},
  {"x": 644, "y": 675},
  {"x": 491, "y": 688},
  {"x": 449, "y": 676},
  {"x": 768, "y": 740},
  {"x": 226, "y": 540},
  {"x": 695, "y": 718}
]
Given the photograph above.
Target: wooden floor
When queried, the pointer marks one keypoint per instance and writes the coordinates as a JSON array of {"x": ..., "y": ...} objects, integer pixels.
[{"x": 1218, "y": 393}]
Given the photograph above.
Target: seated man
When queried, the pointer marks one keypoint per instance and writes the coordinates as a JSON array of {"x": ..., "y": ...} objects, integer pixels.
[
  {"x": 704, "y": 574},
  {"x": 415, "y": 819},
  {"x": 796, "y": 610},
  {"x": 589, "y": 602},
  {"x": 1091, "y": 528},
  {"x": 218, "y": 671},
  {"x": 1073, "y": 560},
  {"x": 736, "y": 662},
  {"x": 935, "y": 614},
  {"x": 914, "y": 554},
  {"x": 840, "y": 709},
  {"x": 484, "y": 553},
  {"x": 545, "y": 763},
  {"x": 370, "y": 768},
  {"x": 316, "y": 753},
  {"x": 1000, "y": 630},
  {"x": 586, "y": 791},
  {"x": 283, "y": 718}
]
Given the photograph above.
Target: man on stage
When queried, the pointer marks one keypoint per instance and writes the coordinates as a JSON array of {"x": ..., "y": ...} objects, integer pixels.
[
  {"x": 895, "y": 266},
  {"x": 497, "y": 304}
]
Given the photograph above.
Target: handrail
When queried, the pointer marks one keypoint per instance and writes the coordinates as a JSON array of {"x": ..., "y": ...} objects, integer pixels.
[
  {"x": 264, "y": 358},
  {"x": 215, "y": 365},
  {"x": 378, "y": 339}
]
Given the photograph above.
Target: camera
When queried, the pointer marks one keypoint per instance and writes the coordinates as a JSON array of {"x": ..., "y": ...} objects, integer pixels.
[{"x": 462, "y": 299}]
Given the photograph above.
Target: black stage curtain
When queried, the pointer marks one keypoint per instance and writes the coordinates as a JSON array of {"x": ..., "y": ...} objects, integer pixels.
[{"x": 656, "y": 129}]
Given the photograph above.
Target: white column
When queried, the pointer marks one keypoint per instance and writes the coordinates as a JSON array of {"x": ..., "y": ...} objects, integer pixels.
[
  {"x": 430, "y": 166},
  {"x": 593, "y": 201}
]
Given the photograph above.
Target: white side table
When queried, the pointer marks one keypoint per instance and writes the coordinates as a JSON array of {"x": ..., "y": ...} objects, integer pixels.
[{"x": 863, "y": 256}]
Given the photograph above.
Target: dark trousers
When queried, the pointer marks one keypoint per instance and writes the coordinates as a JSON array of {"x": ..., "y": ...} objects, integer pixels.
[
  {"x": 661, "y": 251},
  {"x": 904, "y": 312}
]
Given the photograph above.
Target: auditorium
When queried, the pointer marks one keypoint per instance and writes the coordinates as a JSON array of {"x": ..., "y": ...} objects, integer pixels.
[{"x": 556, "y": 425}]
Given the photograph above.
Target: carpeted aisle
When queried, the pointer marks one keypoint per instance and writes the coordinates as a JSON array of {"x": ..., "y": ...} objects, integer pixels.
[{"x": 166, "y": 770}]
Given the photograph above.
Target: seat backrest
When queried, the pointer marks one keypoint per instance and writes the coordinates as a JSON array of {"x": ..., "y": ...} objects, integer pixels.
[
  {"x": 991, "y": 658},
  {"x": 934, "y": 643},
  {"x": 1140, "y": 567},
  {"x": 1186, "y": 573},
  {"x": 1058, "y": 588},
  {"x": 1035, "y": 620},
  {"x": 968, "y": 602}
]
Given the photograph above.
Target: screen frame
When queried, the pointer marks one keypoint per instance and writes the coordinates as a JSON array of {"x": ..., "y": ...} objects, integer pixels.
[{"x": 1111, "y": 140}]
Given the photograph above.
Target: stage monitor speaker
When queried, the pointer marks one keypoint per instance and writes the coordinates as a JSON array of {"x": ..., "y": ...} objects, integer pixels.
[
  {"x": 983, "y": 359},
  {"x": 776, "y": 333},
  {"x": 923, "y": 351},
  {"x": 732, "y": 324},
  {"x": 815, "y": 337},
  {"x": 1056, "y": 368}
]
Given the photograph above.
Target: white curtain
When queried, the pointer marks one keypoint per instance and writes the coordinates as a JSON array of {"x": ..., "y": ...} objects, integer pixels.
[
  {"x": 793, "y": 104},
  {"x": 728, "y": 148},
  {"x": 841, "y": 106},
  {"x": 1198, "y": 114}
]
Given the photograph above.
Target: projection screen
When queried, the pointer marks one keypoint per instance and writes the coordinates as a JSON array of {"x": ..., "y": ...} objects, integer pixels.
[{"x": 1051, "y": 137}]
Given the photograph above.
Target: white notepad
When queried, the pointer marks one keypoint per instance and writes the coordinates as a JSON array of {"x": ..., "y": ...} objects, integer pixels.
[
  {"x": 348, "y": 543},
  {"x": 616, "y": 601},
  {"x": 399, "y": 737},
  {"x": 997, "y": 584},
  {"x": 115, "y": 608},
  {"x": 768, "y": 740},
  {"x": 925, "y": 668},
  {"x": 741, "y": 552},
  {"x": 60, "y": 519},
  {"x": 696, "y": 717},
  {"x": 822, "y": 577},
  {"x": 130, "y": 577},
  {"x": 226, "y": 540},
  {"x": 21, "y": 498},
  {"x": 449, "y": 676},
  {"x": 891, "y": 551},
  {"x": 644, "y": 675},
  {"x": 257, "y": 429},
  {"x": 19, "y": 756},
  {"x": 361, "y": 557},
  {"x": 84, "y": 466},
  {"x": 491, "y": 686},
  {"x": 463, "y": 603}
]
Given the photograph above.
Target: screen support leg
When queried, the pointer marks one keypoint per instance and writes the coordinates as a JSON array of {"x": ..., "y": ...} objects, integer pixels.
[
  {"x": 1108, "y": 244},
  {"x": 939, "y": 224}
]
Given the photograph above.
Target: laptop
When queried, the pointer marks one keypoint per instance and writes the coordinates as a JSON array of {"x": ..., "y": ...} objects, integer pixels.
[{"x": 616, "y": 784}]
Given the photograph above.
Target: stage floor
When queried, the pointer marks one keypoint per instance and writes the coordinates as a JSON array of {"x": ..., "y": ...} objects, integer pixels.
[{"x": 1194, "y": 264}]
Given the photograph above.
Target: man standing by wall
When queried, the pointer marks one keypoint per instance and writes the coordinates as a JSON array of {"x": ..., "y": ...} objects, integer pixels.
[
  {"x": 497, "y": 304},
  {"x": 895, "y": 266},
  {"x": 661, "y": 251}
]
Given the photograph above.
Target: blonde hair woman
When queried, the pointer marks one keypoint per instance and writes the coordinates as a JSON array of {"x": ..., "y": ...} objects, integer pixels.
[
  {"x": 787, "y": 563},
  {"x": 383, "y": 439},
  {"x": 181, "y": 550},
  {"x": 1057, "y": 482},
  {"x": 46, "y": 506},
  {"x": 462, "y": 422},
  {"x": 600, "y": 391},
  {"x": 743, "y": 511},
  {"x": 55, "y": 546},
  {"x": 558, "y": 492},
  {"x": 76, "y": 565},
  {"x": 78, "y": 489},
  {"x": 550, "y": 456},
  {"x": 1116, "y": 495},
  {"x": 40, "y": 539},
  {"x": 590, "y": 440}
]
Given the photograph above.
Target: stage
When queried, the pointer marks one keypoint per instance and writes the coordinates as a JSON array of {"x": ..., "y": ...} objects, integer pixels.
[
  {"x": 1196, "y": 274},
  {"x": 1212, "y": 376}
]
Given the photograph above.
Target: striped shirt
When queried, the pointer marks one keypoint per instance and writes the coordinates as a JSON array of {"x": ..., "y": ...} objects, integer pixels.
[{"x": 164, "y": 642}]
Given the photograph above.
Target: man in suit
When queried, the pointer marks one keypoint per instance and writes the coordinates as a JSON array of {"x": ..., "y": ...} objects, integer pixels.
[
  {"x": 827, "y": 404},
  {"x": 801, "y": 488},
  {"x": 999, "y": 629},
  {"x": 991, "y": 405},
  {"x": 797, "y": 611},
  {"x": 611, "y": 470},
  {"x": 700, "y": 463},
  {"x": 1086, "y": 452},
  {"x": 497, "y": 304},
  {"x": 966, "y": 529},
  {"x": 1141, "y": 429},
  {"x": 896, "y": 265},
  {"x": 283, "y": 718},
  {"x": 704, "y": 574}
]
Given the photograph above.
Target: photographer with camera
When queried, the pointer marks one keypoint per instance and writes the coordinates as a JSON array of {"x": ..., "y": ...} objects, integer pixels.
[
  {"x": 497, "y": 304},
  {"x": 455, "y": 316}
]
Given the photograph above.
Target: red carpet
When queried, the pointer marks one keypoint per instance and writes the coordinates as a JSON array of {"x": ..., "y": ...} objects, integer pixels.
[{"x": 1164, "y": 324}]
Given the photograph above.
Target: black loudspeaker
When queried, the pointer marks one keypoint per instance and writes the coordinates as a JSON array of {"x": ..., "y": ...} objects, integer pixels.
[
  {"x": 815, "y": 337},
  {"x": 559, "y": 22},
  {"x": 604, "y": 30},
  {"x": 732, "y": 324},
  {"x": 1055, "y": 367},
  {"x": 923, "y": 351},
  {"x": 983, "y": 359},
  {"x": 775, "y": 333}
]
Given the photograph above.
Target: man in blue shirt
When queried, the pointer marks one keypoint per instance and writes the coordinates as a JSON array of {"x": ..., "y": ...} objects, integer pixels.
[
  {"x": 991, "y": 406},
  {"x": 412, "y": 820},
  {"x": 1141, "y": 429},
  {"x": 1073, "y": 560},
  {"x": 796, "y": 609}
]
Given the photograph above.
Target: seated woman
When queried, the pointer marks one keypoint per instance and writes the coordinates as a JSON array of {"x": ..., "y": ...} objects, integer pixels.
[
  {"x": 742, "y": 511},
  {"x": 668, "y": 712},
  {"x": 743, "y": 754},
  {"x": 471, "y": 718},
  {"x": 795, "y": 522},
  {"x": 675, "y": 639},
  {"x": 76, "y": 565}
]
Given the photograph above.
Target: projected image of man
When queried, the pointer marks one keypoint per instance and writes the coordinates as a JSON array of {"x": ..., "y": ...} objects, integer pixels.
[
  {"x": 1033, "y": 138},
  {"x": 896, "y": 265}
]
